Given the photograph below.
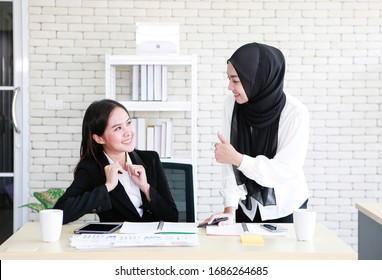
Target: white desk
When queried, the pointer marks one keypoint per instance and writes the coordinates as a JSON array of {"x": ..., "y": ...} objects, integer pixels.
[{"x": 26, "y": 244}]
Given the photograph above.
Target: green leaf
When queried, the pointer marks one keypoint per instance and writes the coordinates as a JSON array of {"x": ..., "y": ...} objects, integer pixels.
[
  {"x": 48, "y": 198},
  {"x": 34, "y": 206}
]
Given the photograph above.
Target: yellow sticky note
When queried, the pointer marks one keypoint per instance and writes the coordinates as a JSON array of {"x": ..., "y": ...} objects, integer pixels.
[{"x": 251, "y": 239}]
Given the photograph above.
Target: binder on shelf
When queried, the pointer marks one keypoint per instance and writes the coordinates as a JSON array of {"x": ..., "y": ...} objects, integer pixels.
[
  {"x": 164, "y": 83},
  {"x": 135, "y": 83},
  {"x": 150, "y": 82},
  {"x": 168, "y": 140},
  {"x": 157, "y": 82},
  {"x": 143, "y": 82},
  {"x": 134, "y": 122},
  {"x": 157, "y": 138},
  {"x": 163, "y": 141},
  {"x": 141, "y": 134},
  {"x": 150, "y": 138}
]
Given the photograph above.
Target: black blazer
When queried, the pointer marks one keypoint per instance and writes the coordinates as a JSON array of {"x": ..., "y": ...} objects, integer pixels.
[{"x": 88, "y": 193}]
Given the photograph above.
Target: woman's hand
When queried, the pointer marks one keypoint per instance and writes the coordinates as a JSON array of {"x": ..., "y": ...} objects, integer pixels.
[
  {"x": 111, "y": 173},
  {"x": 226, "y": 153},
  {"x": 229, "y": 212},
  {"x": 138, "y": 175}
]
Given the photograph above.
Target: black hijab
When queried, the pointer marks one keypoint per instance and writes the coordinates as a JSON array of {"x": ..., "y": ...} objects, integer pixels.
[{"x": 254, "y": 127}]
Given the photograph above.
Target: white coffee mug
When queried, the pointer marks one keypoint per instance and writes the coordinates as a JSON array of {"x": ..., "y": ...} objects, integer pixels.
[
  {"x": 51, "y": 224},
  {"x": 304, "y": 224}
]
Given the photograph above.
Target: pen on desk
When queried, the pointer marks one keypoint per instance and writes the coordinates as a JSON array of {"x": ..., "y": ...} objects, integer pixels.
[
  {"x": 245, "y": 227},
  {"x": 160, "y": 226}
]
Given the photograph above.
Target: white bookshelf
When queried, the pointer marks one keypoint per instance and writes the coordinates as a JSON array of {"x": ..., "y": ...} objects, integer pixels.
[{"x": 114, "y": 62}]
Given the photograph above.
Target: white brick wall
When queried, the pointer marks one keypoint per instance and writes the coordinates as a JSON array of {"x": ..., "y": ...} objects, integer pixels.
[{"x": 334, "y": 57}]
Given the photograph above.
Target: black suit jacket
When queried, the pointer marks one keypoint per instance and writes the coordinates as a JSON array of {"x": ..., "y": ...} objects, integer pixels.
[{"x": 88, "y": 193}]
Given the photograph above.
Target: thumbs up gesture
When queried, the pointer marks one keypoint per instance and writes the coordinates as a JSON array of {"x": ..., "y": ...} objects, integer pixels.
[
  {"x": 226, "y": 153},
  {"x": 222, "y": 139}
]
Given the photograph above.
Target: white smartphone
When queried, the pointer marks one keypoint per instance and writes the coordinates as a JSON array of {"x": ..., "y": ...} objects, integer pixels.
[{"x": 273, "y": 227}]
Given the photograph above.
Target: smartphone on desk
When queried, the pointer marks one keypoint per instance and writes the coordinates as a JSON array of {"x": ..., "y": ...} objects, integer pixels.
[
  {"x": 273, "y": 227},
  {"x": 101, "y": 228},
  {"x": 213, "y": 223}
]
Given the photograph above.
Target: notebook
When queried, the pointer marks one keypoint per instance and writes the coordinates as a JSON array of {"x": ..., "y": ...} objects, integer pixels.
[{"x": 158, "y": 227}]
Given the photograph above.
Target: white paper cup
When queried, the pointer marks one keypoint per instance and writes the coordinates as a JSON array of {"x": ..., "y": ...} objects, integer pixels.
[
  {"x": 51, "y": 224},
  {"x": 304, "y": 224}
]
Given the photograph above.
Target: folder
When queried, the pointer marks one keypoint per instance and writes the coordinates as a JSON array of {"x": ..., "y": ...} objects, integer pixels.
[
  {"x": 150, "y": 82},
  {"x": 143, "y": 82},
  {"x": 141, "y": 134},
  {"x": 135, "y": 82},
  {"x": 242, "y": 228},
  {"x": 150, "y": 138},
  {"x": 157, "y": 82}
]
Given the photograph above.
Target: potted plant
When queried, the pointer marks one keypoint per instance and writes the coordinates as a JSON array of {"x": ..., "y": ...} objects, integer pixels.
[{"x": 46, "y": 198}]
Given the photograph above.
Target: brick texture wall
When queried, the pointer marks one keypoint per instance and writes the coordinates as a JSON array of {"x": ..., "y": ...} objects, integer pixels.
[{"x": 334, "y": 65}]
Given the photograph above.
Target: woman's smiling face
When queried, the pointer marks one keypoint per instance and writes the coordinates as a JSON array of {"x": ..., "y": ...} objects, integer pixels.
[
  {"x": 235, "y": 85},
  {"x": 119, "y": 134}
]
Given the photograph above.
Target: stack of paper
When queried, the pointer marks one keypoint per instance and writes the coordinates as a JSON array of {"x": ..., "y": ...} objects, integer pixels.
[
  {"x": 173, "y": 240},
  {"x": 100, "y": 241},
  {"x": 92, "y": 241}
]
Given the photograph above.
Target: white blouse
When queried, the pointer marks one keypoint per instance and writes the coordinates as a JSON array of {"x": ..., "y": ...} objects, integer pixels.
[
  {"x": 130, "y": 187},
  {"x": 284, "y": 172}
]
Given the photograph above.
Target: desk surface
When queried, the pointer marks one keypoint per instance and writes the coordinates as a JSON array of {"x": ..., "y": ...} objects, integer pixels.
[
  {"x": 371, "y": 209},
  {"x": 26, "y": 244}
]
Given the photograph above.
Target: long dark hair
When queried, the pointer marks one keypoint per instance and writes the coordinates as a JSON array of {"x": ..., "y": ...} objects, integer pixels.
[{"x": 94, "y": 122}]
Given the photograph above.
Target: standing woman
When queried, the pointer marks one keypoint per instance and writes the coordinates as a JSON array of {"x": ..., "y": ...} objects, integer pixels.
[
  {"x": 112, "y": 178},
  {"x": 263, "y": 142}
]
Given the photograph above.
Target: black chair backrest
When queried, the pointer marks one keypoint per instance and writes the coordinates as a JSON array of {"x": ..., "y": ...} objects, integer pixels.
[{"x": 180, "y": 181}]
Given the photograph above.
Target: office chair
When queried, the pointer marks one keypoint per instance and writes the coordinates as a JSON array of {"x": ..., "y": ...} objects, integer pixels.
[{"x": 180, "y": 181}]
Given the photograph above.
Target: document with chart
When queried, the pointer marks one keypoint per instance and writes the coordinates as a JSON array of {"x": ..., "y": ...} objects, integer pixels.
[{"x": 102, "y": 241}]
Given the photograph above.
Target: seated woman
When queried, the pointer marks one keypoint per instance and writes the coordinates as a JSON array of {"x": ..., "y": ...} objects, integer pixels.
[{"x": 112, "y": 178}]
